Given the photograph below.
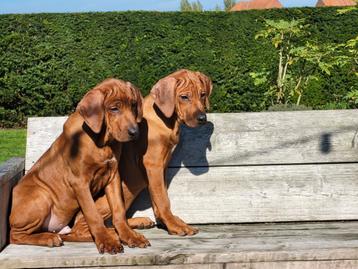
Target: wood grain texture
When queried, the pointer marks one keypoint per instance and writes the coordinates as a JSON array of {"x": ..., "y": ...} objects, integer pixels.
[
  {"x": 307, "y": 244},
  {"x": 338, "y": 264},
  {"x": 247, "y": 167},
  {"x": 261, "y": 193},
  {"x": 10, "y": 169},
  {"x": 270, "y": 138},
  {"x": 243, "y": 138},
  {"x": 233, "y": 192},
  {"x": 10, "y": 172},
  {"x": 178, "y": 266},
  {"x": 41, "y": 133}
]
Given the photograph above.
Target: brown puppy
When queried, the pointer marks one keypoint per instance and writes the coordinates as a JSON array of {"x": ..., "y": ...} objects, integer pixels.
[
  {"x": 80, "y": 164},
  {"x": 181, "y": 97}
]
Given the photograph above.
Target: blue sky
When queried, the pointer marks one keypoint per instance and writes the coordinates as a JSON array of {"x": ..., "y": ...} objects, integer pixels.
[{"x": 35, "y": 6}]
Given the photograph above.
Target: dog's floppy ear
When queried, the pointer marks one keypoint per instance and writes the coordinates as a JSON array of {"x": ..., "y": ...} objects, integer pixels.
[
  {"x": 163, "y": 93},
  {"x": 92, "y": 110},
  {"x": 136, "y": 92},
  {"x": 208, "y": 85}
]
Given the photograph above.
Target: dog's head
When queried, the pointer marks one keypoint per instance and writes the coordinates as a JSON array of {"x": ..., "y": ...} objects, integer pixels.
[
  {"x": 115, "y": 105},
  {"x": 186, "y": 93}
]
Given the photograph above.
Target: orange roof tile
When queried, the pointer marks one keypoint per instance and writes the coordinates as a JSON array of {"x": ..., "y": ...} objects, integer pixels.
[
  {"x": 331, "y": 3},
  {"x": 256, "y": 4}
]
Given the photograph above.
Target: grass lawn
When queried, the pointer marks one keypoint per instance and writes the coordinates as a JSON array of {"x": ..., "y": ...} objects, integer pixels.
[{"x": 12, "y": 143}]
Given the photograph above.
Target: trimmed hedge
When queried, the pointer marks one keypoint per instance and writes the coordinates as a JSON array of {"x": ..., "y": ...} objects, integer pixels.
[{"x": 48, "y": 61}]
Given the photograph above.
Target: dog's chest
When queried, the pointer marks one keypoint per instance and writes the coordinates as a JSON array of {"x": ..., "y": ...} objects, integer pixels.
[
  {"x": 174, "y": 136},
  {"x": 103, "y": 174}
]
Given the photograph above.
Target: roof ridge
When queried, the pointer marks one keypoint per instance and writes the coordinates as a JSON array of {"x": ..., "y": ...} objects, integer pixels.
[
  {"x": 325, "y": 3},
  {"x": 256, "y": 4}
]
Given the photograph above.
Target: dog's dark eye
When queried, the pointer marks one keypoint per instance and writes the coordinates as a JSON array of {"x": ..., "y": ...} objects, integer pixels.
[
  {"x": 134, "y": 106},
  {"x": 114, "y": 109},
  {"x": 203, "y": 95},
  {"x": 184, "y": 97}
]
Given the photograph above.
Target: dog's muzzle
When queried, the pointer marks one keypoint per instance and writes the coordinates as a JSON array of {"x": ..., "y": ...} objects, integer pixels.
[{"x": 133, "y": 132}]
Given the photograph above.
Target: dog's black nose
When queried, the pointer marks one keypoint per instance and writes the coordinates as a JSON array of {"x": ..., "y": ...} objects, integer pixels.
[
  {"x": 201, "y": 118},
  {"x": 133, "y": 132}
]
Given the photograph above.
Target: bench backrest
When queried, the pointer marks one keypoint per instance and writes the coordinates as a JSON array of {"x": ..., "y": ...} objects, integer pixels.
[{"x": 253, "y": 167}]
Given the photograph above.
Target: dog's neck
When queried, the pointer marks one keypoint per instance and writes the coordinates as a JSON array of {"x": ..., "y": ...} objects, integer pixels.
[
  {"x": 172, "y": 124},
  {"x": 76, "y": 130},
  {"x": 77, "y": 125},
  {"x": 101, "y": 139}
]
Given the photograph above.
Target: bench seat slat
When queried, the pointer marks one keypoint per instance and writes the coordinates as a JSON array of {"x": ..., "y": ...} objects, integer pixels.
[
  {"x": 261, "y": 193},
  {"x": 303, "y": 245}
]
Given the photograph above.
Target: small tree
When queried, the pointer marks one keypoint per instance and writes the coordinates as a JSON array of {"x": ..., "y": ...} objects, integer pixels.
[
  {"x": 197, "y": 6},
  {"x": 281, "y": 33},
  {"x": 350, "y": 52},
  {"x": 228, "y": 4},
  {"x": 312, "y": 59},
  {"x": 217, "y": 8},
  {"x": 297, "y": 65},
  {"x": 351, "y": 46},
  {"x": 185, "y": 5}
]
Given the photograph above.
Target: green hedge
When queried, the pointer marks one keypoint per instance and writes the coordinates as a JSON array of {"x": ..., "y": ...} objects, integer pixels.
[{"x": 48, "y": 61}]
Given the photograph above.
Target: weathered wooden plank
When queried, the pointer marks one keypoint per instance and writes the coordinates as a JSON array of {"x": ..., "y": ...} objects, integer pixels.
[
  {"x": 262, "y": 193},
  {"x": 315, "y": 244},
  {"x": 338, "y": 264},
  {"x": 243, "y": 138},
  {"x": 184, "y": 266},
  {"x": 41, "y": 133},
  {"x": 247, "y": 230},
  {"x": 10, "y": 169},
  {"x": 270, "y": 138},
  {"x": 239, "y": 194},
  {"x": 10, "y": 172}
]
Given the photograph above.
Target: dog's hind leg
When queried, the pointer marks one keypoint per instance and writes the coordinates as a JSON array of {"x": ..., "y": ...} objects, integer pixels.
[
  {"x": 80, "y": 231},
  {"x": 82, "y": 234},
  {"x": 39, "y": 239},
  {"x": 28, "y": 215},
  {"x": 141, "y": 223}
]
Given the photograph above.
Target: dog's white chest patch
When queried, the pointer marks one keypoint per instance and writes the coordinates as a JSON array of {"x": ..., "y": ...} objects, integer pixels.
[
  {"x": 53, "y": 223},
  {"x": 111, "y": 160}
]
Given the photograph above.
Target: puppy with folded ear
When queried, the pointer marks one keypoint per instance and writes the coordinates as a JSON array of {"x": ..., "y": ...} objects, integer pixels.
[
  {"x": 179, "y": 98},
  {"x": 186, "y": 93},
  {"x": 79, "y": 165}
]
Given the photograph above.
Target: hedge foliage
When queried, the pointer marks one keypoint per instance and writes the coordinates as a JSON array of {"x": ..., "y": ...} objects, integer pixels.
[{"x": 48, "y": 61}]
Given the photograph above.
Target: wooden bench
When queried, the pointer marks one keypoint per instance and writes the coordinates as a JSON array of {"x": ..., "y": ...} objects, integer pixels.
[{"x": 268, "y": 190}]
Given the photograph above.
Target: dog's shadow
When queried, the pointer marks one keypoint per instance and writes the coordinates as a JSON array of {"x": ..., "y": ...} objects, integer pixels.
[{"x": 189, "y": 154}]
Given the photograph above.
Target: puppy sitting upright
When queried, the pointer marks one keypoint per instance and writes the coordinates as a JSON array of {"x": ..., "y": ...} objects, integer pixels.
[
  {"x": 181, "y": 97},
  {"x": 79, "y": 165}
]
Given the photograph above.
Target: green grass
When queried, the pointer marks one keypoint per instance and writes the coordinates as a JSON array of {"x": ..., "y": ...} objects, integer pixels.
[{"x": 12, "y": 143}]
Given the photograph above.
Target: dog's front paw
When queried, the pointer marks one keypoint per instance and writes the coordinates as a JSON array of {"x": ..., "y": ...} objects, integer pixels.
[
  {"x": 107, "y": 242},
  {"x": 132, "y": 239},
  {"x": 177, "y": 226}
]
